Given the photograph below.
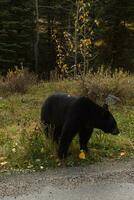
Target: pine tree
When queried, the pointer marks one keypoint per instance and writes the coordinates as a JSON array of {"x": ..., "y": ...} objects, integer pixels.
[
  {"x": 113, "y": 17},
  {"x": 54, "y": 18},
  {"x": 16, "y": 33}
]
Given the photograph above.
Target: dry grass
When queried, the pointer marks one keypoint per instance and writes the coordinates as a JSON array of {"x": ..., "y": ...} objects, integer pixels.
[
  {"x": 17, "y": 81},
  {"x": 105, "y": 82}
]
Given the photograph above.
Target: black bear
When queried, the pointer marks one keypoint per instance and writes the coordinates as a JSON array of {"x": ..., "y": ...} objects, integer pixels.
[{"x": 70, "y": 115}]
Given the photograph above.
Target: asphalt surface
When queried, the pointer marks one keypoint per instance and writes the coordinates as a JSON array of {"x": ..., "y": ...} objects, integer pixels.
[{"x": 101, "y": 181}]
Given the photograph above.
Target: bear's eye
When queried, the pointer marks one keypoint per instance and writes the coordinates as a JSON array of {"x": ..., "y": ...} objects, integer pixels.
[{"x": 105, "y": 106}]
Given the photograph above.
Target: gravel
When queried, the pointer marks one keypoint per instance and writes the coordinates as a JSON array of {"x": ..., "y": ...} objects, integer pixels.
[{"x": 14, "y": 184}]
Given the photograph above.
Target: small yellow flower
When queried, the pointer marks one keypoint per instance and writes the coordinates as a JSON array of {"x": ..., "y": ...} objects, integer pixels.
[
  {"x": 82, "y": 154},
  {"x": 37, "y": 160},
  {"x": 81, "y": 17},
  {"x": 3, "y": 163},
  {"x": 123, "y": 153},
  {"x": 13, "y": 150},
  {"x": 59, "y": 164},
  {"x": 29, "y": 166},
  {"x": 41, "y": 167}
]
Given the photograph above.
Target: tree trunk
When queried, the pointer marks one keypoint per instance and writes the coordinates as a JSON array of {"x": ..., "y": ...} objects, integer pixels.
[{"x": 36, "y": 46}]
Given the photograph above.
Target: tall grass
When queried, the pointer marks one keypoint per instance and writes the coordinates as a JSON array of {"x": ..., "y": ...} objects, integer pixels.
[
  {"x": 98, "y": 85},
  {"x": 105, "y": 82},
  {"x": 17, "y": 81}
]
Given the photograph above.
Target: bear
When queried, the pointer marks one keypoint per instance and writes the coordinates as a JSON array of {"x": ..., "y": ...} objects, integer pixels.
[{"x": 71, "y": 115}]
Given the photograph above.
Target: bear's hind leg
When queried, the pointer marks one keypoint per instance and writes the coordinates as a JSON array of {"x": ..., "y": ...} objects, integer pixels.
[{"x": 57, "y": 134}]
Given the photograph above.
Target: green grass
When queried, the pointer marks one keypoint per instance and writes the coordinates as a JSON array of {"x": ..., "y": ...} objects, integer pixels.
[{"x": 24, "y": 146}]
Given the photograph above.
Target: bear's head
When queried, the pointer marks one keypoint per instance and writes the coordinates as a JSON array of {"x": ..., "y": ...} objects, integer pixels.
[{"x": 108, "y": 123}]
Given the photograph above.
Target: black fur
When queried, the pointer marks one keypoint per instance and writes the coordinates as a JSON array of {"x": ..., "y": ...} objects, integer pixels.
[{"x": 70, "y": 115}]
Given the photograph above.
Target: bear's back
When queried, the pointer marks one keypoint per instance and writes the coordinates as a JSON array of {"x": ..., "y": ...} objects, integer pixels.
[{"x": 55, "y": 108}]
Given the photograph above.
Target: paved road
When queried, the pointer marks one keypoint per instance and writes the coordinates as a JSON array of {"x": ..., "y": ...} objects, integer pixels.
[{"x": 102, "y": 181}]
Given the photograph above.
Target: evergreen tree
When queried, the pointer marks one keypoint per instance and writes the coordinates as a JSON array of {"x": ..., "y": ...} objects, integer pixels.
[
  {"x": 16, "y": 33},
  {"x": 113, "y": 33},
  {"x": 28, "y": 40},
  {"x": 54, "y": 18}
]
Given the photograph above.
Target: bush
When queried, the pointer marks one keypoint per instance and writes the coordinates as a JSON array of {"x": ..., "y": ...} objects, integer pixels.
[
  {"x": 17, "y": 81},
  {"x": 104, "y": 82}
]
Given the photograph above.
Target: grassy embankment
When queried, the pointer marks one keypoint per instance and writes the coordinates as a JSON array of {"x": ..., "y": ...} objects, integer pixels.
[{"x": 22, "y": 141}]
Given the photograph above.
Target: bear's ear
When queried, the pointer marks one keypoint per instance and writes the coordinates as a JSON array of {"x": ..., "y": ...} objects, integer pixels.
[{"x": 105, "y": 106}]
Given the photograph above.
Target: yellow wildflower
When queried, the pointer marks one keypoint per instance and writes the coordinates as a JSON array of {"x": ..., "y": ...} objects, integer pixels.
[{"x": 82, "y": 154}]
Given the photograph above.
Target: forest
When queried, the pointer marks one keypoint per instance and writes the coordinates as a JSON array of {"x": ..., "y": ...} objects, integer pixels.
[{"x": 66, "y": 37}]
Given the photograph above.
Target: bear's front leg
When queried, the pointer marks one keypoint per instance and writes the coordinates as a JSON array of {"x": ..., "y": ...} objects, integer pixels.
[
  {"x": 84, "y": 137},
  {"x": 68, "y": 133}
]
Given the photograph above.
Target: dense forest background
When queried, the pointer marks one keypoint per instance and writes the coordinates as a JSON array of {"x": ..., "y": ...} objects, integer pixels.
[{"x": 66, "y": 35}]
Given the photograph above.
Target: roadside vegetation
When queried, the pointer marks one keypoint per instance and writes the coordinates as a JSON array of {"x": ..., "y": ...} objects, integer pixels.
[{"x": 22, "y": 141}]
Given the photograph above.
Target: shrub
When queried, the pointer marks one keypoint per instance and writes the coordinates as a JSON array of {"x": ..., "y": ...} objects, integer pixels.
[
  {"x": 104, "y": 82},
  {"x": 17, "y": 81}
]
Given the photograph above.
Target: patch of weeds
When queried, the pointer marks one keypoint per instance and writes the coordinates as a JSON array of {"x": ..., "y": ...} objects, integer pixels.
[
  {"x": 17, "y": 81},
  {"x": 105, "y": 82}
]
